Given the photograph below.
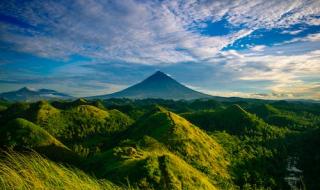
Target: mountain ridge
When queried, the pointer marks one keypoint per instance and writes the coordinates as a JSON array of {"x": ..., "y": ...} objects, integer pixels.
[{"x": 32, "y": 95}]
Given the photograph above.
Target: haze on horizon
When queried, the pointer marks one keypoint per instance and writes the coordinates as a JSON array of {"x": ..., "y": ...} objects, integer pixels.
[{"x": 257, "y": 49}]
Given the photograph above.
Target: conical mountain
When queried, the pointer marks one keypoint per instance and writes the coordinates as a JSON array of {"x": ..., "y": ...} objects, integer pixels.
[{"x": 158, "y": 85}]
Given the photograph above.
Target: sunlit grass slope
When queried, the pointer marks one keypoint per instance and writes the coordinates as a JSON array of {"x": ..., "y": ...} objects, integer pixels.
[
  {"x": 32, "y": 171},
  {"x": 80, "y": 121},
  {"x": 155, "y": 168},
  {"x": 21, "y": 132},
  {"x": 184, "y": 139},
  {"x": 77, "y": 119}
]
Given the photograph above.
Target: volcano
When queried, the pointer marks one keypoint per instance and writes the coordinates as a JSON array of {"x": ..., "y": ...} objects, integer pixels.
[{"x": 158, "y": 85}]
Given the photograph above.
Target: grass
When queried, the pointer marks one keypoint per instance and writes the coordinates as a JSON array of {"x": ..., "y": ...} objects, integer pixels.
[
  {"x": 23, "y": 132},
  {"x": 184, "y": 139},
  {"x": 151, "y": 169},
  {"x": 32, "y": 171}
]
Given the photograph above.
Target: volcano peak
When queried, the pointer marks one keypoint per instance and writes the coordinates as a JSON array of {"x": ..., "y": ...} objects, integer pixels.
[{"x": 158, "y": 85}]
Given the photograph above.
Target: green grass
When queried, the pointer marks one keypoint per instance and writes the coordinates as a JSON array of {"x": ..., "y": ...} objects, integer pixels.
[
  {"x": 296, "y": 120},
  {"x": 185, "y": 140},
  {"x": 32, "y": 171},
  {"x": 234, "y": 119},
  {"x": 21, "y": 132},
  {"x": 150, "y": 169}
]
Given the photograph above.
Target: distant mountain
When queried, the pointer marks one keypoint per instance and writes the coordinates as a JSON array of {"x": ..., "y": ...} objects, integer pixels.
[
  {"x": 158, "y": 85},
  {"x": 30, "y": 95}
]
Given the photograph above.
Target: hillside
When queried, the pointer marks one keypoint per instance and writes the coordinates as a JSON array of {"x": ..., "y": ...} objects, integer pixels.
[
  {"x": 183, "y": 138},
  {"x": 22, "y": 132},
  {"x": 233, "y": 119},
  {"x": 32, "y": 171},
  {"x": 158, "y": 151},
  {"x": 277, "y": 115}
]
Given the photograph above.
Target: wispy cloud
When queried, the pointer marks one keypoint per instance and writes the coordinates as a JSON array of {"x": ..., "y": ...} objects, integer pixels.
[
  {"x": 287, "y": 76},
  {"x": 165, "y": 34},
  {"x": 148, "y": 32}
]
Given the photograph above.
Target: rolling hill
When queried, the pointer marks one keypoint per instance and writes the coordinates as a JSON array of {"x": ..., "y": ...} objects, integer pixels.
[
  {"x": 183, "y": 138},
  {"x": 165, "y": 151}
]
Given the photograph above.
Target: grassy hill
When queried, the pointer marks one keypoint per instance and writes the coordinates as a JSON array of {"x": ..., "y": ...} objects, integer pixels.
[
  {"x": 165, "y": 151},
  {"x": 251, "y": 145},
  {"x": 150, "y": 170},
  {"x": 22, "y": 132},
  {"x": 149, "y": 164},
  {"x": 32, "y": 171},
  {"x": 296, "y": 120},
  {"x": 80, "y": 126},
  {"x": 184, "y": 139},
  {"x": 232, "y": 119}
]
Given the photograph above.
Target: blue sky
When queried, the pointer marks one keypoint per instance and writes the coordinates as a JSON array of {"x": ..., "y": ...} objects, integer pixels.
[{"x": 257, "y": 48}]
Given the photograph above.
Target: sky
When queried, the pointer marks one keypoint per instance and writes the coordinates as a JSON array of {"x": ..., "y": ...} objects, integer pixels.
[{"x": 253, "y": 49}]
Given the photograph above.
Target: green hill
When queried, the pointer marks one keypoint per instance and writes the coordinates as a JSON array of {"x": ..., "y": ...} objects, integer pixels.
[
  {"x": 150, "y": 169},
  {"x": 165, "y": 152},
  {"x": 84, "y": 128},
  {"x": 184, "y": 139},
  {"x": 14, "y": 111},
  {"x": 22, "y": 132},
  {"x": 85, "y": 120},
  {"x": 233, "y": 119},
  {"x": 78, "y": 121},
  {"x": 284, "y": 118}
]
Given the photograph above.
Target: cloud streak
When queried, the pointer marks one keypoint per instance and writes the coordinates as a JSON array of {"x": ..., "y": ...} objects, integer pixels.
[
  {"x": 147, "y": 32},
  {"x": 163, "y": 34}
]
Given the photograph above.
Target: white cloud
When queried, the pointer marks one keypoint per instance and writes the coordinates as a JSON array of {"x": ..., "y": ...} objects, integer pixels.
[
  {"x": 284, "y": 75},
  {"x": 258, "y": 48},
  {"x": 143, "y": 31},
  {"x": 292, "y": 32}
]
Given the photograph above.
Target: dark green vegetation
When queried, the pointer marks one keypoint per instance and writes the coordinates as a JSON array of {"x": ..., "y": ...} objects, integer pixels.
[{"x": 158, "y": 144}]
